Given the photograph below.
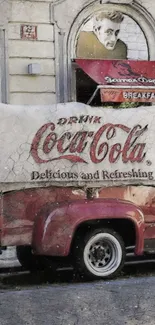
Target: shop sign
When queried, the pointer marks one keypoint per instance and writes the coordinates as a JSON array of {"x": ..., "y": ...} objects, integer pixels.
[
  {"x": 127, "y": 95},
  {"x": 119, "y": 72}
]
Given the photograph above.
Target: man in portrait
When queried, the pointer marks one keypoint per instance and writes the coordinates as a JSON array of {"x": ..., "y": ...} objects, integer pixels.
[{"x": 103, "y": 42}]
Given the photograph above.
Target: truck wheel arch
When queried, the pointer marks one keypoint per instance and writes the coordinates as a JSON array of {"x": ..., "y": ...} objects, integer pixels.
[{"x": 114, "y": 224}]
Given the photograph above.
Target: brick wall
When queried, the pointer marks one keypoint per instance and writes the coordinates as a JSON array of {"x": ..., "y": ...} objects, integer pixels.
[{"x": 133, "y": 36}]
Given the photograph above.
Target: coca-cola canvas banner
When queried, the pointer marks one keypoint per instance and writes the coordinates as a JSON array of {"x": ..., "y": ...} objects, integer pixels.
[{"x": 74, "y": 144}]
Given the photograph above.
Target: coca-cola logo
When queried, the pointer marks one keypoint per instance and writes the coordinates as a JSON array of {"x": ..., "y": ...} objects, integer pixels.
[{"x": 97, "y": 145}]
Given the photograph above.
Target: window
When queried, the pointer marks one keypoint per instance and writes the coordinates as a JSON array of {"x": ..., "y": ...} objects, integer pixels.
[{"x": 106, "y": 35}]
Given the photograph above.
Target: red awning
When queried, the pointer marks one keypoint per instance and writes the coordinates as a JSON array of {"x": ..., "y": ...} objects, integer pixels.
[{"x": 119, "y": 72}]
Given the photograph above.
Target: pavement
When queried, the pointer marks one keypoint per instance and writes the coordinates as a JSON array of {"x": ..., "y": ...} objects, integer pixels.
[
  {"x": 38, "y": 299},
  {"x": 124, "y": 301}
]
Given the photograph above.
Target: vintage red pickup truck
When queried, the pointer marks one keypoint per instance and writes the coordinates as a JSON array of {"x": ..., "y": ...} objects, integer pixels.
[{"x": 77, "y": 185}]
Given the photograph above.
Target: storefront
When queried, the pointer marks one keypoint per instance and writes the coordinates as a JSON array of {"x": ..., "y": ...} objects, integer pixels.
[{"x": 40, "y": 41}]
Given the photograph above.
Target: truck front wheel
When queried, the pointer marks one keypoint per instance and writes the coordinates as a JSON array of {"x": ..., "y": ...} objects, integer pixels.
[{"x": 100, "y": 254}]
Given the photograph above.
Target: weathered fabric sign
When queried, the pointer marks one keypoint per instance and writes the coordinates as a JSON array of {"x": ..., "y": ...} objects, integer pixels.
[
  {"x": 119, "y": 72},
  {"x": 73, "y": 144}
]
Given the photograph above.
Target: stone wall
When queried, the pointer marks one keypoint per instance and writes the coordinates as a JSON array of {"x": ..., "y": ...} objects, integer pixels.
[{"x": 25, "y": 88}]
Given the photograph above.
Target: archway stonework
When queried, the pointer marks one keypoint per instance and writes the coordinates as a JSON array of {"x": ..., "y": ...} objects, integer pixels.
[
  {"x": 66, "y": 31},
  {"x": 5, "y": 12}
]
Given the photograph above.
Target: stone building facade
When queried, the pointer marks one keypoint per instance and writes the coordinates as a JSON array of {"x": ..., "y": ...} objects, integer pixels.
[{"x": 50, "y": 53}]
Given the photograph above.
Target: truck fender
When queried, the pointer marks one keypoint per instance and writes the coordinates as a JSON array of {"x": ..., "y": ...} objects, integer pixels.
[{"x": 54, "y": 230}]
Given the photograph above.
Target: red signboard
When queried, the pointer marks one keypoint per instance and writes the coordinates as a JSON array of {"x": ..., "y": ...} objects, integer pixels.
[
  {"x": 119, "y": 72},
  {"x": 127, "y": 95}
]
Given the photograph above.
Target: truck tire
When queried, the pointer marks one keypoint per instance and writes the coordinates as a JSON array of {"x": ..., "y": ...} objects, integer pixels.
[
  {"x": 100, "y": 254},
  {"x": 27, "y": 259}
]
